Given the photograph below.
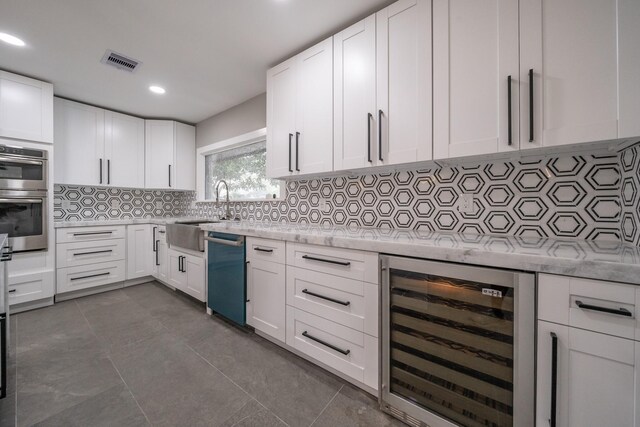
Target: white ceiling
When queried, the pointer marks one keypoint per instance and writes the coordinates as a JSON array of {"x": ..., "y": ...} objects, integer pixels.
[{"x": 209, "y": 54}]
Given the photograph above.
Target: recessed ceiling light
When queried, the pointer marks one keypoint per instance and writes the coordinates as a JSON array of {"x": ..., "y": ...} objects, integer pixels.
[
  {"x": 157, "y": 89},
  {"x": 8, "y": 38}
]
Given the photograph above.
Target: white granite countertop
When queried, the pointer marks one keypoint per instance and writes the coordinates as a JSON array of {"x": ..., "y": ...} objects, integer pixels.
[
  {"x": 131, "y": 221},
  {"x": 612, "y": 261}
]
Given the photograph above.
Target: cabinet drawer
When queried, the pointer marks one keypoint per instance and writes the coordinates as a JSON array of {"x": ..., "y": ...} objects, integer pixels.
[
  {"x": 327, "y": 342},
  {"x": 84, "y": 234},
  {"x": 89, "y": 276},
  {"x": 265, "y": 249},
  {"x": 594, "y": 305},
  {"x": 347, "y": 263},
  {"x": 30, "y": 287},
  {"x": 83, "y": 253},
  {"x": 348, "y": 302}
]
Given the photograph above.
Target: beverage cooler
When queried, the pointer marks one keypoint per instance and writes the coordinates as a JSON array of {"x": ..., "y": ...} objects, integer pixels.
[{"x": 457, "y": 344}]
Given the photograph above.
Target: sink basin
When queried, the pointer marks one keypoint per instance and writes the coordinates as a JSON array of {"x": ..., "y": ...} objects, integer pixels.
[{"x": 187, "y": 235}]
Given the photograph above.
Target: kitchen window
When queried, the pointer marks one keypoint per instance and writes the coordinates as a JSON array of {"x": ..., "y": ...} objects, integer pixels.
[{"x": 243, "y": 167}]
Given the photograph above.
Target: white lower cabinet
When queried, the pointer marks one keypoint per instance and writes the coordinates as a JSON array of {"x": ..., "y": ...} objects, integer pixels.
[
  {"x": 160, "y": 253},
  {"x": 588, "y": 355},
  {"x": 598, "y": 378},
  {"x": 90, "y": 257},
  {"x": 266, "y": 297},
  {"x": 346, "y": 350},
  {"x": 140, "y": 248},
  {"x": 186, "y": 272}
]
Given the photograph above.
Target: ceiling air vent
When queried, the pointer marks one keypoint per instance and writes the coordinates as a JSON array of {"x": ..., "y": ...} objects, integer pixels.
[{"x": 119, "y": 61}]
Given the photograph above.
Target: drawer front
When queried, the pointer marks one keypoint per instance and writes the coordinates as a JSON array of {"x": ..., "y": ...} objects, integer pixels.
[
  {"x": 94, "y": 252},
  {"x": 85, "y": 234},
  {"x": 357, "y": 265},
  {"x": 89, "y": 276},
  {"x": 326, "y": 342},
  {"x": 594, "y": 305},
  {"x": 30, "y": 287},
  {"x": 351, "y": 303},
  {"x": 265, "y": 249}
]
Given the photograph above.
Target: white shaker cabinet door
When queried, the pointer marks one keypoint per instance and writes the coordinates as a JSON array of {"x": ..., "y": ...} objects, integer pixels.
[
  {"x": 597, "y": 378},
  {"x": 313, "y": 139},
  {"x": 160, "y": 171},
  {"x": 476, "y": 73},
  {"x": 79, "y": 146},
  {"x": 404, "y": 82},
  {"x": 584, "y": 61},
  {"x": 281, "y": 118},
  {"x": 185, "y": 157},
  {"x": 266, "y": 286},
  {"x": 354, "y": 107},
  {"x": 124, "y": 150},
  {"x": 139, "y": 251},
  {"x": 194, "y": 268},
  {"x": 26, "y": 108}
]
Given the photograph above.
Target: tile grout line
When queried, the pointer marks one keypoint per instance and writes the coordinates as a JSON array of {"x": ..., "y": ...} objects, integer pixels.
[
  {"x": 327, "y": 405},
  {"x": 112, "y": 364},
  {"x": 237, "y": 385}
]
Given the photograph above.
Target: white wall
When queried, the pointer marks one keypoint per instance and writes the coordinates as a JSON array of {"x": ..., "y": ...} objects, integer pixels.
[{"x": 238, "y": 120}]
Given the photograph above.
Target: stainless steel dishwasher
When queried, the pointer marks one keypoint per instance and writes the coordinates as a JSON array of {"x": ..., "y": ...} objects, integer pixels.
[{"x": 458, "y": 344}]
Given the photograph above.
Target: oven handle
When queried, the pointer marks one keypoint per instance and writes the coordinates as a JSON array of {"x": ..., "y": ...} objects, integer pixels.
[
  {"x": 21, "y": 161},
  {"x": 14, "y": 199}
]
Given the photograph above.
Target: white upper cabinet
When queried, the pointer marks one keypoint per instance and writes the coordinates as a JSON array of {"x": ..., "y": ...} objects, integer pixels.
[
  {"x": 475, "y": 77},
  {"x": 584, "y": 60},
  {"x": 185, "y": 157},
  {"x": 314, "y": 109},
  {"x": 281, "y": 118},
  {"x": 124, "y": 150},
  {"x": 354, "y": 108},
  {"x": 300, "y": 113},
  {"x": 26, "y": 108},
  {"x": 404, "y": 82},
  {"x": 97, "y": 147},
  {"x": 79, "y": 146},
  {"x": 169, "y": 147}
]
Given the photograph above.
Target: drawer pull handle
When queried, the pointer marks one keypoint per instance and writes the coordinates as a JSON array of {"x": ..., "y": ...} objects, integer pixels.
[
  {"x": 93, "y": 233},
  {"x": 93, "y": 252},
  {"x": 90, "y": 276},
  {"x": 330, "y": 261},
  {"x": 617, "y": 311},
  {"x": 11, "y": 291},
  {"x": 337, "y": 301},
  {"x": 326, "y": 344},
  {"x": 263, "y": 250},
  {"x": 554, "y": 379}
]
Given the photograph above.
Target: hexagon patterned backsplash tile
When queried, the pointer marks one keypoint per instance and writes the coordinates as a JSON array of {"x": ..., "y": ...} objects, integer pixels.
[
  {"x": 581, "y": 196},
  {"x": 74, "y": 203},
  {"x": 629, "y": 196}
]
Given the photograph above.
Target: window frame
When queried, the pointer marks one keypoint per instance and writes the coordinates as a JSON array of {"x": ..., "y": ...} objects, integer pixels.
[{"x": 259, "y": 135}]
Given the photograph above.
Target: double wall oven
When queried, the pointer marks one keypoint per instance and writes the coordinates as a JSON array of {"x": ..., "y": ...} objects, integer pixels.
[{"x": 23, "y": 197}]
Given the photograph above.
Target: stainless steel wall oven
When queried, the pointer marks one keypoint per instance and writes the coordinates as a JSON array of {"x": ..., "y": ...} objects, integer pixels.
[
  {"x": 458, "y": 344},
  {"x": 23, "y": 197},
  {"x": 23, "y": 168}
]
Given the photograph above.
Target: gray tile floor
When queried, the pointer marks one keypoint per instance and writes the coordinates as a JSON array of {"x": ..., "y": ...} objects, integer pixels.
[{"x": 147, "y": 355}]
